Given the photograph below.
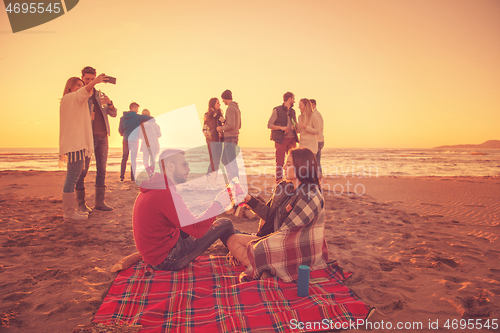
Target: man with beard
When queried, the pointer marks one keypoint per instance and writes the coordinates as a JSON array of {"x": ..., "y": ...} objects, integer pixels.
[
  {"x": 166, "y": 233},
  {"x": 100, "y": 130},
  {"x": 282, "y": 124}
]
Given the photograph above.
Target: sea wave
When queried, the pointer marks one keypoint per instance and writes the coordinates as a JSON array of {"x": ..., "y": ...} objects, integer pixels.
[{"x": 379, "y": 162}]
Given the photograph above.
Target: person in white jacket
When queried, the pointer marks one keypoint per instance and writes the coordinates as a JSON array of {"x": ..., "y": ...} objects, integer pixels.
[
  {"x": 320, "y": 136},
  {"x": 153, "y": 133},
  {"x": 75, "y": 138},
  {"x": 308, "y": 126}
]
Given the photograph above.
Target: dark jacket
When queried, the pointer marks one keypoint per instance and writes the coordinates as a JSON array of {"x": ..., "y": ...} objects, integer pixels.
[
  {"x": 211, "y": 122},
  {"x": 279, "y": 135},
  {"x": 284, "y": 195},
  {"x": 129, "y": 122}
]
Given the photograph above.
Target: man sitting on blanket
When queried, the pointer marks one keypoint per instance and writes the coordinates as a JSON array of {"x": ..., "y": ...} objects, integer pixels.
[{"x": 166, "y": 233}]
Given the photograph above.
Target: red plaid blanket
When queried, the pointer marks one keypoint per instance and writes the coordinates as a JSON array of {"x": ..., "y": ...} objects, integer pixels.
[{"x": 206, "y": 297}]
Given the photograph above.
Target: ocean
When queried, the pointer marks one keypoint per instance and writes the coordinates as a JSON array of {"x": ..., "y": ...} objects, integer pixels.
[{"x": 335, "y": 162}]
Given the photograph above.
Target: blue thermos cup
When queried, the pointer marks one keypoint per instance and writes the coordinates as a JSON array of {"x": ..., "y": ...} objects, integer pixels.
[{"x": 303, "y": 281}]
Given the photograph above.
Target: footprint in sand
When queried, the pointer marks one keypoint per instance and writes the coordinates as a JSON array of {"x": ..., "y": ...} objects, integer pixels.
[
  {"x": 388, "y": 266},
  {"x": 454, "y": 279},
  {"x": 17, "y": 186},
  {"x": 450, "y": 262},
  {"x": 393, "y": 307},
  {"x": 494, "y": 270},
  {"x": 97, "y": 277},
  {"x": 47, "y": 274},
  {"x": 477, "y": 306},
  {"x": 494, "y": 254}
]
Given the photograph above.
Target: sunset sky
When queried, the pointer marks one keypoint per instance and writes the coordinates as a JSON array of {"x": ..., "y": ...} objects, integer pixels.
[{"x": 385, "y": 73}]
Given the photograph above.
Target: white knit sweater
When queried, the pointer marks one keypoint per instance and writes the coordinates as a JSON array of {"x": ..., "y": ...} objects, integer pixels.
[{"x": 75, "y": 131}]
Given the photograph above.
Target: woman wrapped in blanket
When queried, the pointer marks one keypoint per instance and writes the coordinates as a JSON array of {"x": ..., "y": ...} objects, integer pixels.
[
  {"x": 291, "y": 231},
  {"x": 76, "y": 141}
]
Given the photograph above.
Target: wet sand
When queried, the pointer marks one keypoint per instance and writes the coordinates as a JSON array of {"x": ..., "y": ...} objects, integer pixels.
[{"x": 421, "y": 249}]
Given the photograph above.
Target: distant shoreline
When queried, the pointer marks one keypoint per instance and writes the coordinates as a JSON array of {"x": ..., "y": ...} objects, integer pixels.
[{"x": 490, "y": 144}]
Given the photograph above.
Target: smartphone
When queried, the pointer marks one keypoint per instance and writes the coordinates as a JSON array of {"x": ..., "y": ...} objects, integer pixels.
[{"x": 110, "y": 79}]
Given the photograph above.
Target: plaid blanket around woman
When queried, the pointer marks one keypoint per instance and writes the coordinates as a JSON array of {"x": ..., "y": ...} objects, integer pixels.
[{"x": 299, "y": 241}]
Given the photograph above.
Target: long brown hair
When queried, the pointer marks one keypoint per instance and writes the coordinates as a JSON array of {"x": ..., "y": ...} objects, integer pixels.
[
  {"x": 211, "y": 106},
  {"x": 306, "y": 166},
  {"x": 70, "y": 84},
  {"x": 308, "y": 110}
]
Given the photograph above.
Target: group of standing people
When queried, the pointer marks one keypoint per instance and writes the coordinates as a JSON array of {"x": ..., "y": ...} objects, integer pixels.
[{"x": 285, "y": 129}]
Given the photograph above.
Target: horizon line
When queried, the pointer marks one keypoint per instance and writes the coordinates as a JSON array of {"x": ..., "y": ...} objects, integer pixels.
[{"x": 271, "y": 147}]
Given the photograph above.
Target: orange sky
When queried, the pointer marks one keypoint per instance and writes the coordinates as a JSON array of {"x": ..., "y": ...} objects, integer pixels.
[{"x": 385, "y": 73}]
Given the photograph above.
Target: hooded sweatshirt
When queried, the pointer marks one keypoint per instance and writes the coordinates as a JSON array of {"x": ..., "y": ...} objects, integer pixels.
[
  {"x": 129, "y": 122},
  {"x": 233, "y": 120},
  {"x": 158, "y": 211}
]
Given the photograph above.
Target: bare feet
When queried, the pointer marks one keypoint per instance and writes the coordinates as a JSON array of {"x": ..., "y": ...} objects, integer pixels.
[{"x": 247, "y": 275}]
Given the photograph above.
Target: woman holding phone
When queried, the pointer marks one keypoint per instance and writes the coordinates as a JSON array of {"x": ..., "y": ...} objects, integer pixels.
[{"x": 75, "y": 138}]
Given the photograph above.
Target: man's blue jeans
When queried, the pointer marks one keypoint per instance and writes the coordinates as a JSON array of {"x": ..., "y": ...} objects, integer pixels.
[
  {"x": 131, "y": 147},
  {"x": 101, "y": 160},
  {"x": 318, "y": 154},
  {"x": 229, "y": 157}
]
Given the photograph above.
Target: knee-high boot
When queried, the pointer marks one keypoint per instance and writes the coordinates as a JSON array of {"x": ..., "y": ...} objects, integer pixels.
[
  {"x": 69, "y": 208},
  {"x": 99, "y": 199},
  {"x": 80, "y": 199}
]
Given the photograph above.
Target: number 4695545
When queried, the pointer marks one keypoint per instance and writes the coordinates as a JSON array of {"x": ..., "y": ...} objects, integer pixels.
[
  {"x": 33, "y": 8},
  {"x": 471, "y": 324}
]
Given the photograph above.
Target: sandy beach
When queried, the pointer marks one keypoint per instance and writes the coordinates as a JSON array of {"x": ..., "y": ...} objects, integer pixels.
[{"x": 422, "y": 250}]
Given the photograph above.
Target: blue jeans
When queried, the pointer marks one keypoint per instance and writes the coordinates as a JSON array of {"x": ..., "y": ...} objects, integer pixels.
[
  {"x": 74, "y": 169},
  {"x": 318, "y": 154},
  {"x": 189, "y": 248},
  {"x": 149, "y": 160},
  {"x": 229, "y": 156},
  {"x": 131, "y": 147},
  {"x": 215, "y": 153},
  {"x": 101, "y": 160}
]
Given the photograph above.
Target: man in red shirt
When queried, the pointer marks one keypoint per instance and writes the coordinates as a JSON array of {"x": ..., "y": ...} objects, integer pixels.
[{"x": 166, "y": 233}]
